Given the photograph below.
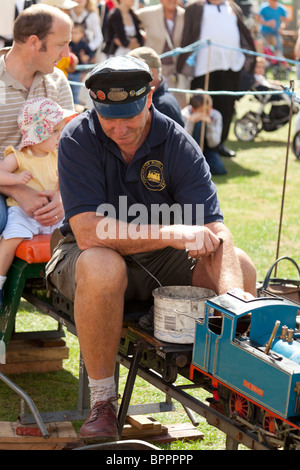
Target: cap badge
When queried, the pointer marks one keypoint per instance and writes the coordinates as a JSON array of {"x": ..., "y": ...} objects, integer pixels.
[
  {"x": 140, "y": 91},
  {"x": 117, "y": 94},
  {"x": 101, "y": 95}
]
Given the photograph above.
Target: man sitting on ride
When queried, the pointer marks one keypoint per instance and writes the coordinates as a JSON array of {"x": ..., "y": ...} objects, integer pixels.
[{"x": 119, "y": 163}]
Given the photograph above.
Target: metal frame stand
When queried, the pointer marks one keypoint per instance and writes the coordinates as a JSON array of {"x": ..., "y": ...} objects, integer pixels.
[{"x": 26, "y": 399}]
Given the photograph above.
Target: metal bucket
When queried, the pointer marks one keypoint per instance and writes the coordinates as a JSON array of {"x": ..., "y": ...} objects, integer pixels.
[{"x": 175, "y": 311}]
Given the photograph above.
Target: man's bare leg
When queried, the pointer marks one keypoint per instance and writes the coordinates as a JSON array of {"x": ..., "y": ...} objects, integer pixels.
[{"x": 99, "y": 302}]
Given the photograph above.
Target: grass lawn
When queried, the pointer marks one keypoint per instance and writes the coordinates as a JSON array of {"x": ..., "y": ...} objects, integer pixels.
[{"x": 250, "y": 196}]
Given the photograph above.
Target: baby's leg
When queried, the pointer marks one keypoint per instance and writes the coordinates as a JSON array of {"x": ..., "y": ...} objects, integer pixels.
[{"x": 7, "y": 252}]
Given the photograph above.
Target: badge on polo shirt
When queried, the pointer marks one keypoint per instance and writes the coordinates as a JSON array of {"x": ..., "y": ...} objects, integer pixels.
[{"x": 152, "y": 175}]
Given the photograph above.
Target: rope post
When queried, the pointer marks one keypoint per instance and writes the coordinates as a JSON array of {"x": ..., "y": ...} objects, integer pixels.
[
  {"x": 206, "y": 85},
  {"x": 285, "y": 172}
]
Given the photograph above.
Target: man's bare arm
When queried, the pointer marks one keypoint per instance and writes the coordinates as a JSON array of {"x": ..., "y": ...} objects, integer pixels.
[{"x": 91, "y": 230}]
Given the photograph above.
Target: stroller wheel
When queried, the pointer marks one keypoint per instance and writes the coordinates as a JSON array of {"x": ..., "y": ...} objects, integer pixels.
[
  {"x": 296, "y": 145},
  {"x": 280, "y": 72},
  {"x": 246, "y": 128}
]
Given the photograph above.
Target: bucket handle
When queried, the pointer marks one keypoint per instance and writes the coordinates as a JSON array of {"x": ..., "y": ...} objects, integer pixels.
[
  {"x": 148, "y": 272},
  {"x": 183, "y": 313}
]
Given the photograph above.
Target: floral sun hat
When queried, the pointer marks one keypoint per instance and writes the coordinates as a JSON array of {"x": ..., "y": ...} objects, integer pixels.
[{"x": 37, "y": 119}]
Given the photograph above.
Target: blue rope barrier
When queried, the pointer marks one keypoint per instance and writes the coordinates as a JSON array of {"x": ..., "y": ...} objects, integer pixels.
[
  {"x": 207, "y": 42},
  {"x": 296, "y": 98},
  {"x": 194, "y": 48}
]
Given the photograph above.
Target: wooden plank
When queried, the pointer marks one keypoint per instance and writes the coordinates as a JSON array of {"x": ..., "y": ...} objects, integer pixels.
[
  {"x": 28, "y": 350},
  {"x": 25, "y": 367},
  {"x": 59, "y": 431},
  {"x": 61, "y": 435},
  {"x": 160, "y": 433},
  {"x": 177, "y": 432},
  {"x": 34, "y": 356},
  {"x": 131, "y": 432},
  {"x": 143, "y": 422}
]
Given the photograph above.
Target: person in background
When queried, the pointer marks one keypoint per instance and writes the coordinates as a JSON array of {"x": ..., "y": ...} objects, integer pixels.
[
  {"x": 63, "y": 5},
  {"x": 68, "y": 64},
  {"x": 41, "y": 122},
  {"x": 9, "y": 11},
  {"x": 103, "y": 8},
  {"x": 87, "y": 14},
  {"x": 223, "y": 23},
  {"x": 163, "y": 25},
  {"x": 273, "y": 19},
  {"x": 198, "y": 113},
  {"x": 27, "y": 70},
  {"x": 123, "y": 30},
  {"x": 80, "y": 48},
  {"x": 162, "y": 99}
]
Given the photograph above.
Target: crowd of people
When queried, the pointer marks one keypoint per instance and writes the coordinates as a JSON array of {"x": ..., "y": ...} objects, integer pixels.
[
  {"x": 106, "y": 28},
  {"x": 133, "y": 139}
]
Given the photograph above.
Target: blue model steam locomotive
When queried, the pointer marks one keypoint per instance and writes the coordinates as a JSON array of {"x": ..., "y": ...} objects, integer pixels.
[{"x": 251, "y": 352}]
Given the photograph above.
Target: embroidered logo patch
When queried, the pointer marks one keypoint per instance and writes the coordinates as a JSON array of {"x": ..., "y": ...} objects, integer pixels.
[{"x": 152, "y": 175}]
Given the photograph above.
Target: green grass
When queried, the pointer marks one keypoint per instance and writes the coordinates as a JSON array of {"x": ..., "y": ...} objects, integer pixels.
[{"x": 250, "y": 196}]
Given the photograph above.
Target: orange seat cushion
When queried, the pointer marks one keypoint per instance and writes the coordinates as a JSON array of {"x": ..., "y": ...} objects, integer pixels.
[{"x": 36, "y": 250}]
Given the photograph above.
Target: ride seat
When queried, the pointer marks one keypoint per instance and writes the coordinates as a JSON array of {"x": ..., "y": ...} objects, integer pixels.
[
  {"x": 36, "y": 250},
  {"x": 28, "y": 266}
]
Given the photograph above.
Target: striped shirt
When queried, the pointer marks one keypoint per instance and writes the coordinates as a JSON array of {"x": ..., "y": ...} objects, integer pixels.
[{"x": 13, "y": 94}]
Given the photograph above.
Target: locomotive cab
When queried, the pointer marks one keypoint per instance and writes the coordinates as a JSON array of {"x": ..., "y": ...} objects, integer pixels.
[{"x": 240, "y": 361}]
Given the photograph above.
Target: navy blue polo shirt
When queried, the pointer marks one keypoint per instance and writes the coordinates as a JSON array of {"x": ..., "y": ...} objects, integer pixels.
[{"x": 168, "y": 168}]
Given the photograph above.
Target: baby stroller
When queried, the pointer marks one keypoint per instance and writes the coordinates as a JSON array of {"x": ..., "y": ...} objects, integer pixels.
[
  {"x": 272, "y": 114},
  {"x": 296, "y": 139}
]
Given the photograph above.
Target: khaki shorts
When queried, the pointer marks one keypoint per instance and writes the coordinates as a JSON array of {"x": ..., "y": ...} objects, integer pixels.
[{"x": 169, "y": 266}]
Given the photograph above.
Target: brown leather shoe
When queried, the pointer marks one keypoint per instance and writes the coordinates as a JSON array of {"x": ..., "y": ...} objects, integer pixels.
[{"x": 101, "y": 424}]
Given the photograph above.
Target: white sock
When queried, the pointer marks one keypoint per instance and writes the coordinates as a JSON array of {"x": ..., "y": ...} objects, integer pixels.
[
  {"x": 2, "y": 281},
  {"x": 102, "y": 389}
]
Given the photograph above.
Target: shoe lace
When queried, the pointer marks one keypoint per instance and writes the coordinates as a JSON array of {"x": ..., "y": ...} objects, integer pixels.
[{"x": 105, "y": 408}]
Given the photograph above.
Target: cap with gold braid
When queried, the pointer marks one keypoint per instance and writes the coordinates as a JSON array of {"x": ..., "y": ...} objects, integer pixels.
[{"x": 119, "y": 87}]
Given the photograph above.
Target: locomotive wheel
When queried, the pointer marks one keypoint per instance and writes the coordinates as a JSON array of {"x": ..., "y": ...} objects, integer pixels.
[
  {"x": 241, "y": 406},
  {"x": 270, "y": 423},
  {"x": 275, "y": 426}
]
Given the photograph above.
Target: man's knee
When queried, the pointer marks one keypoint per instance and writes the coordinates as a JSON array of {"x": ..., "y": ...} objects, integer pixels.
[{"x": 101, "y": 267}]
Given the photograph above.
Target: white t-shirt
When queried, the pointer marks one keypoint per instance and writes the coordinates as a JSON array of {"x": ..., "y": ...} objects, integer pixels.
[{"x": 219, "y": 24}]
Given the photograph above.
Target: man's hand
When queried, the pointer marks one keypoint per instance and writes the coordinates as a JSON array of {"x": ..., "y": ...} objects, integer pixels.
[
  {"x": 51, "y": 212},
  {"x": 199, "y": 241}
]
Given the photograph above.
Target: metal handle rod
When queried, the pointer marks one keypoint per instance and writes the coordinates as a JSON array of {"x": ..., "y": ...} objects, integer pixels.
[
  {"x": 29, "y": 402},
  {"x": 268, "y": 347}
]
